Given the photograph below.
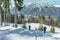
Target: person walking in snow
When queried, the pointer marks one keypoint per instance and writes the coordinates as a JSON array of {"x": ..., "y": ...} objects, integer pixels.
[
  {"x": 29, "y": 27},
  {"x": 44, "y": 29}
]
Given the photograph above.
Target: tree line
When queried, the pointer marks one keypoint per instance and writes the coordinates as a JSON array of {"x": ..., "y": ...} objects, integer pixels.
[{"x": 40, "y": 19}]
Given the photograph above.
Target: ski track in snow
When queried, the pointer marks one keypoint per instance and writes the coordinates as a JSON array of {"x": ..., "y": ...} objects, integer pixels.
[{"x": 11, "y": 33}]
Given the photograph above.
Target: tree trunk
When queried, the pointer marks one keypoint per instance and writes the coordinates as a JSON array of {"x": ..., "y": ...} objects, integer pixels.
[
  {"x": 7, "y": 15},
  {"x": 15, "y": 18},
  {"x": 0, "y": 15},
  {"x": 8, "y": 12},
  {"x": 4, "y": 17}
]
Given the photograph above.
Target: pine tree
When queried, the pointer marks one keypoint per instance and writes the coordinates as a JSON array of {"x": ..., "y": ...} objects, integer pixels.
[
  {"x": 0, "y": 16},
  {"x": 18, "y": 6},
  {"x": 6, "y": 6}
]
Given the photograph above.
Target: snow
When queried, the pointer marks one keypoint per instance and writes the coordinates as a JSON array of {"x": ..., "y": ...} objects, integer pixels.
[
  {"x": 33, "y": 25},
  {"x": 56, "y": 35},
  {"x": 4, "y": 28},
  {"x": 19, "y": 33},
  {"x": 57, "y": 6},
  {"x": 28, "y": 4}
]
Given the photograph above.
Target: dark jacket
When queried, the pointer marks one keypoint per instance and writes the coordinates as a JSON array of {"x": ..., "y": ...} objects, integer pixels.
[
  {"x": 29, "y": 27},
  {"x": 44, "y": 29}
]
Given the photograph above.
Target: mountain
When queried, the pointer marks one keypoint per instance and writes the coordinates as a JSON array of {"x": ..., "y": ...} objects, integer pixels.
[{"x": 35, "y": 9}]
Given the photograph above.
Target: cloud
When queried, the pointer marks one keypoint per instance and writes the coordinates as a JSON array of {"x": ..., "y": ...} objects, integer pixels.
[
  {"x": 57, "y": 6},
  {"x": 49, "y": 0}
]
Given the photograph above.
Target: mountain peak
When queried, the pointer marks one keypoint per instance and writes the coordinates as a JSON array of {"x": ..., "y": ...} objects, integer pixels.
[{"x": 32, "y": 3}]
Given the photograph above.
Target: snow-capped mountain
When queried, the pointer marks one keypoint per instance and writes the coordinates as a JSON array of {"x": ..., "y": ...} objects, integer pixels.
[
  {"x": 40, "y": 9},
  {"x": 35, "y": 9}
]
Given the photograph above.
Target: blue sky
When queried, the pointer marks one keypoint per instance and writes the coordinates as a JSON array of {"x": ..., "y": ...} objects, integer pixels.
[{"x": 55, "y": 2}]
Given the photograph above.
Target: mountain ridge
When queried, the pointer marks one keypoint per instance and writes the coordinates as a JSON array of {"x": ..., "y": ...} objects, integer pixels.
[{"x": 35, "y": 9}]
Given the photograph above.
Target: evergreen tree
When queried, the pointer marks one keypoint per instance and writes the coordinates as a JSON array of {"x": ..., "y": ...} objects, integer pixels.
[
  {"x": 0, "y": 12},
  {"x": 6, "y": 6},
  {"x": 18, "y": 5}
]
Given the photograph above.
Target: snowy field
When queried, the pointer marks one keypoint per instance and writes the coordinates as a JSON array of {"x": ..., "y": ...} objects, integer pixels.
[{"x": 11, "y": 33}]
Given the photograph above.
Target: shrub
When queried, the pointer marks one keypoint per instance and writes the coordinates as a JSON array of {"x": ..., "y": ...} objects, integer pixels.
[
  {"x": 41, "y": 28},
  {"x": 52, "y": 30},
  {"x": 24, "y": 26}
]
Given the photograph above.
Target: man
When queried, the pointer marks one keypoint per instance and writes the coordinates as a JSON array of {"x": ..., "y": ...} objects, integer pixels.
[
  {"x": 44, "y": 29},
  {"x": 29, "y": 27}
]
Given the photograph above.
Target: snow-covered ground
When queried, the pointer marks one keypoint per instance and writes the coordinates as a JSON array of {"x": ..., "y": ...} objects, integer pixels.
[{"x": 11, "y": 33}]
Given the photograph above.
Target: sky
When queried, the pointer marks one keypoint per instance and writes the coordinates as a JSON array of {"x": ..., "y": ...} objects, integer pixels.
[{"x": 54, "y": 2}]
